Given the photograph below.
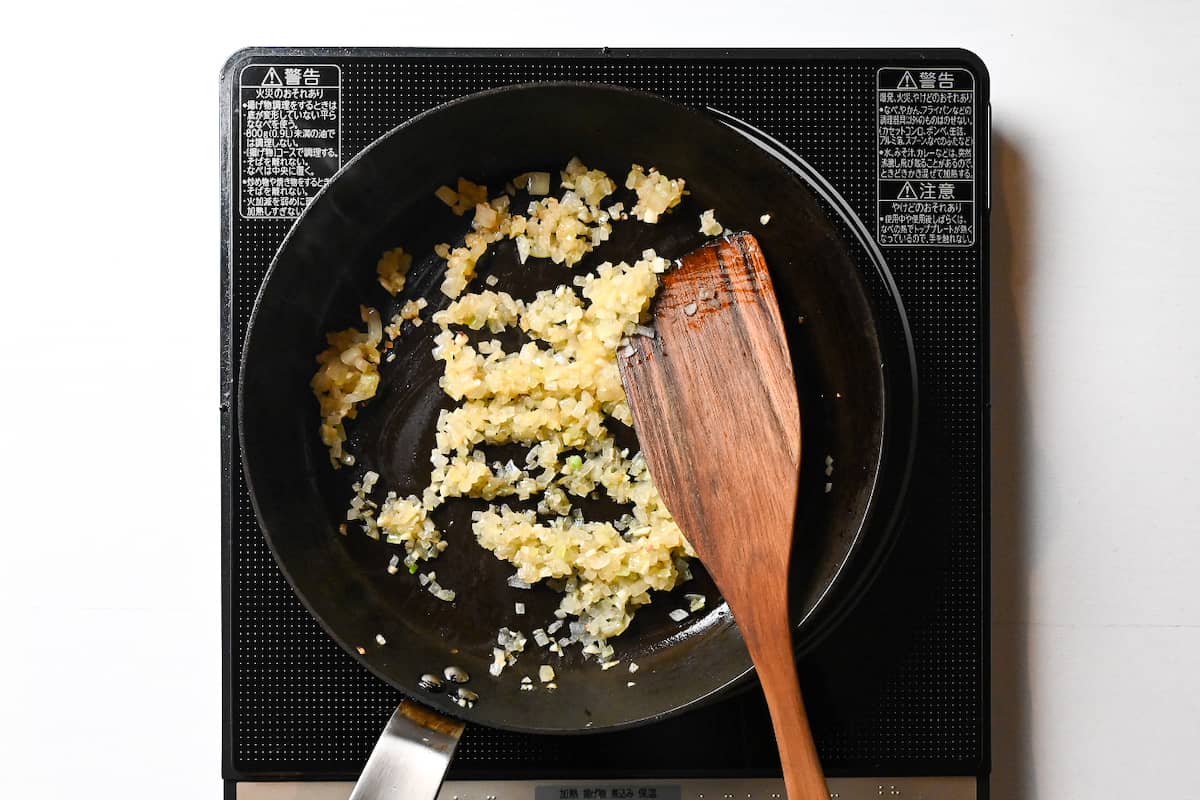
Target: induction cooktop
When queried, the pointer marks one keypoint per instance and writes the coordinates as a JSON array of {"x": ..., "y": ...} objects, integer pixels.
[{"x": 896, "y": 144}]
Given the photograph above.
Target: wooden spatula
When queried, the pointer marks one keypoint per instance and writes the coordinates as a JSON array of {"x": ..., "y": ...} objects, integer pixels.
[{"x": 714, "y": 406}]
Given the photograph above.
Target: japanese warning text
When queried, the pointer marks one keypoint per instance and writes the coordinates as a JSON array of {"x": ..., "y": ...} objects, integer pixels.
[
  {"x": 290, "y": 136},
  {"x": 926, "y": 151}
]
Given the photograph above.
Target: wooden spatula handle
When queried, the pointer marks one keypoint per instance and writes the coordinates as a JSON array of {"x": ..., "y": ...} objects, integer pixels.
[{"x": 774, "y": 659}]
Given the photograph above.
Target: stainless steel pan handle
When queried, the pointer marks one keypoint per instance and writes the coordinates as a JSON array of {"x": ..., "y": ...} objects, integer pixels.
[{"x": 411, "y": 756}]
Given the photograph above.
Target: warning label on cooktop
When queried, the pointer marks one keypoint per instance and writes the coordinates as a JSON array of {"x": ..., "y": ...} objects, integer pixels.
[
  {"x": 926, "y": 157},
  {"x": 290, "y": 137}
]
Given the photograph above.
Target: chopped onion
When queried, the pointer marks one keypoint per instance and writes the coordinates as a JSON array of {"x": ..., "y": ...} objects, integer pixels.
[
  {"x": 589, "y": 224},
  {"x": 512, "y": 641},
  {"x": 678, "y": 615},
  {"x": 538, "y": 183},
  {"x": 545, "y": 673},
  {"x": 379, "y": 638},
  {"x": 446, "y": 195},
  {"x": 374, "y": 325}
]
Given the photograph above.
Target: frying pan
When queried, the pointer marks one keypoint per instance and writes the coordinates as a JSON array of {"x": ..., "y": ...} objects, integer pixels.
[{"x": 325, "y": 268}]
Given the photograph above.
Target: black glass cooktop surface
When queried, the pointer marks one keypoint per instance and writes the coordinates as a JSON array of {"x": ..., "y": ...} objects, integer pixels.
[{"x": 899, "y": 138}]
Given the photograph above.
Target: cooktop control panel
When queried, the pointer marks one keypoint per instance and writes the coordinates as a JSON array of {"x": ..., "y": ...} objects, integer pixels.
[{"x": 942, "y": 788}]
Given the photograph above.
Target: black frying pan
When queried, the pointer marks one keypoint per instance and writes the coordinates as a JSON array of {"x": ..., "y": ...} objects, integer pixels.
[{"x": 325, "y": 269}]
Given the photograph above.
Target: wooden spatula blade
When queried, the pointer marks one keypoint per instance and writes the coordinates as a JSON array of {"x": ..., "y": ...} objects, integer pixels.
[{"x": 717, "y": 375}]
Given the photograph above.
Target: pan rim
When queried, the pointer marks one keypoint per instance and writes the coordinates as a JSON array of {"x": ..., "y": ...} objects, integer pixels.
[{"x": 701, "y": 117}]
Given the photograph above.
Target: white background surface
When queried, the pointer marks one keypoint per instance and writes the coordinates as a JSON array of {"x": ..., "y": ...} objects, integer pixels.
[{"x": 109, "y": 570}]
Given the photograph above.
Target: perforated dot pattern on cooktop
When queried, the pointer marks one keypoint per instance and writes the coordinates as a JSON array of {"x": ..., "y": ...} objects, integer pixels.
[{"x": 300, "y": 706}]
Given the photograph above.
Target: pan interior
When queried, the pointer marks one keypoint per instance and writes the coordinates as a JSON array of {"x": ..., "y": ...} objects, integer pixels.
[{"x": 325, "y": 269}]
